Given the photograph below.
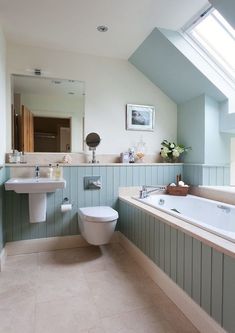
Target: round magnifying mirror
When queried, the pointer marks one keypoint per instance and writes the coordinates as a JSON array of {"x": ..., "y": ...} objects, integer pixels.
[{"x": 93, "y": 140}]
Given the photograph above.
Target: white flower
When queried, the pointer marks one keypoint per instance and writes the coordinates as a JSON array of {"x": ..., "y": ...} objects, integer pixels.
[
  {"x": 179, "y": 149},
  {"x": 172, "y": 145},
  {"x": 163, "y": 154},
  {"x": 165, "y": 150},
  {"x": 175, "y": 153}
]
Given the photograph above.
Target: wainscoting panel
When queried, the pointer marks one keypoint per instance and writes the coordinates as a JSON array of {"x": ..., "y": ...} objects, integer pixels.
[
  {"x": 206, "y": 275},
  {"x": 196, "y": 280},
  {"x": 217, "y": 285},
  {"x": 200, "y": 174},
  {"x": 18, "y": 227},
  {"x": 229, "y": 294}
]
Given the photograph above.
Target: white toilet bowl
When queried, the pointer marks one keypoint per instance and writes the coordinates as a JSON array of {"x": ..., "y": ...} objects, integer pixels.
[{"x": 97, "y": 224}]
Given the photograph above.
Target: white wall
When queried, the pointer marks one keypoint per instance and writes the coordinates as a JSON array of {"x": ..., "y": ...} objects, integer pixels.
[
  {"x": 2, "y": 97},
  {"x": 109, "y": 84}
]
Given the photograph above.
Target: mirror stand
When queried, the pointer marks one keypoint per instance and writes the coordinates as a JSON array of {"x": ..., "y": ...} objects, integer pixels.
[{"x": 93, "y": 155}]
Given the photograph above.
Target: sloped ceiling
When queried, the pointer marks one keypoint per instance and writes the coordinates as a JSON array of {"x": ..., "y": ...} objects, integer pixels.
[{"x": 171, "y": 71}]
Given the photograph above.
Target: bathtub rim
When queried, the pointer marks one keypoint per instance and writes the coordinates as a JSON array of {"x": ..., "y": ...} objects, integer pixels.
[
  {"x": 226, "y": 235},
  {"x": 218, "y": 243}
]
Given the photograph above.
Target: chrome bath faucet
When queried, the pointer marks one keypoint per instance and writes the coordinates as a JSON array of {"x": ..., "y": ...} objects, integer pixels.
[{"x": 144, "y": 192}]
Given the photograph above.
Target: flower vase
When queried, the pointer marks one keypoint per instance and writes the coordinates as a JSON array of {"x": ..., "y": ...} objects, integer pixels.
[{"x": 170, "y": 159}]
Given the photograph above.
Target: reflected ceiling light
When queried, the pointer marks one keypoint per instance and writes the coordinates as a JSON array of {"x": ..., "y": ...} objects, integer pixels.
[
  {"x": 56, "y": 81},
  {"x": 102, "y": 28},
  {"x": 37, "y": 71}
]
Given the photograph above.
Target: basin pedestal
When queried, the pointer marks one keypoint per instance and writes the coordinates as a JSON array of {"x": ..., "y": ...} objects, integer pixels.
[
  {"x": 37, "y": 188},
  {"x": 37, "y": 207}
]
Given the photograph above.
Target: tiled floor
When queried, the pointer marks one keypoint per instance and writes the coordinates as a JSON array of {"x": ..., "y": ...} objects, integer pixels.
[{"x": 84, "y": 290}]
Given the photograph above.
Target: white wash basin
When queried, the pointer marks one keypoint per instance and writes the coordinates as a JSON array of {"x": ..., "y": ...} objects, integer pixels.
[
  {"x": 34, "y": 185},
  {"x": 37, "y": 188}
]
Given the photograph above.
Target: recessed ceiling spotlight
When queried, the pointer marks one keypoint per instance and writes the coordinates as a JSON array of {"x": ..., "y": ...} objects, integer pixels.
[{"x": 102, "y": 28}]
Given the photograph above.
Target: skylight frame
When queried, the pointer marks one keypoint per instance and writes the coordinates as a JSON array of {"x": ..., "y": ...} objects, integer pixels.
[{"x": 211, "y": 54}]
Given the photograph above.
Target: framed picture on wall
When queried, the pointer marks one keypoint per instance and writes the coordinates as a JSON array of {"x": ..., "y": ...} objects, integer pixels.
[{"x": 140, "y": 117}]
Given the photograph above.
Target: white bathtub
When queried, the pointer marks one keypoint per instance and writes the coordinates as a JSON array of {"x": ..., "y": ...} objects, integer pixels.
[{"x": 213, "y": 216}]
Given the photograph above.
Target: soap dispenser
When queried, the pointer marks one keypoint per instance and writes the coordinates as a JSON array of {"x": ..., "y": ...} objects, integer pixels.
[
  {"x": 50, "y": 171},
  {"x": 57, "y": 172}
]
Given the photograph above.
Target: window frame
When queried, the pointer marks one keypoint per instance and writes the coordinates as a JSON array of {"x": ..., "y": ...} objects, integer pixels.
[{"x": 224, "y": 70}]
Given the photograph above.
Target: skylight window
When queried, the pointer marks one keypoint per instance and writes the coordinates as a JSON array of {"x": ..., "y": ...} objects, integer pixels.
[{"x": 217, "y": 38}]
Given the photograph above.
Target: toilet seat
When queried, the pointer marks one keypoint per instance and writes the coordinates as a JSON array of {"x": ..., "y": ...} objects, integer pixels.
[{"x": 98, "y": 214}]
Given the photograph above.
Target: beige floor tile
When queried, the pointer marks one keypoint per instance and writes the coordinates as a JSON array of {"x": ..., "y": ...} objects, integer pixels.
[
  {"x": 54, "y": 265},
  {"x": 97, "y": 329},
  {"x": 144, "y": 320},
  {"x": 116, "y": 293},
  {"x": 84, "y": 290},
  {"x": 74, "y": 314},
  {"x": 22, "y": 263},
  {"x": 110, "y": 259},
  {"x": 16, "y": 280},
  {"x": 17, "y": 316},
  {"x": 15, "y": 295},
  {"x": 49, "y": 288}
]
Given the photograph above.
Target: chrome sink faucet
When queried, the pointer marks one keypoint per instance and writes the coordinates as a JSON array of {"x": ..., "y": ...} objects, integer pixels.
[
  {"x": 37, "y": 172},
  {"x": 144, "y": 192}
]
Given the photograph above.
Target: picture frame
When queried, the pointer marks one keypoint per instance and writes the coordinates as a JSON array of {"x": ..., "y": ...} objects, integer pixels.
[{"x": 140, "y": 117}]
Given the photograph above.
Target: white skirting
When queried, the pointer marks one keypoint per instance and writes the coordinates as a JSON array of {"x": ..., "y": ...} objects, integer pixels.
[{"x": 200, "y": 319}]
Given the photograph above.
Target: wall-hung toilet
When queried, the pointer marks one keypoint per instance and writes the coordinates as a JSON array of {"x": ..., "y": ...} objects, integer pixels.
[{"x": 97, "y": 224}]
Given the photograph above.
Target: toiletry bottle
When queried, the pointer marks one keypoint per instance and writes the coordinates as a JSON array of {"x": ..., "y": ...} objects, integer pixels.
[
  {"x": 22, "y": 157},
  {"x": 57, "y": 172},
  {"x": 50, "y": 172},
  {"x": 11, "y": 158},
  {"x": 16, "y": 156},
  {"x": 131, "y": 155}
]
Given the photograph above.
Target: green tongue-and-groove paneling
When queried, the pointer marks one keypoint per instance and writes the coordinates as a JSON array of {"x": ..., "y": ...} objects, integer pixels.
[
  {"x": 16, "y": 214},
  {"x": 18, "y": 227}
]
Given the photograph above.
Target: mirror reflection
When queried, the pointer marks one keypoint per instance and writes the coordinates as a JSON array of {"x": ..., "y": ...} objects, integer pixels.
[{"x": 47, "y": 114}]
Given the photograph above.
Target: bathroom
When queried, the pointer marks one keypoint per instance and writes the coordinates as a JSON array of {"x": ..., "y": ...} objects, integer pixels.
[{"x": 46, "y": 258}]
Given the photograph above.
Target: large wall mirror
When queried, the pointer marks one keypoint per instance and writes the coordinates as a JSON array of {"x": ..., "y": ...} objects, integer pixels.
[{"x": 47, "y": 114}]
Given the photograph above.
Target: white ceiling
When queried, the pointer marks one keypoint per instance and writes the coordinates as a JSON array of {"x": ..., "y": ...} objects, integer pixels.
[{"x": 71, "y": 24}]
